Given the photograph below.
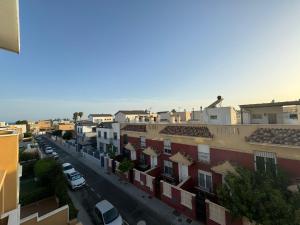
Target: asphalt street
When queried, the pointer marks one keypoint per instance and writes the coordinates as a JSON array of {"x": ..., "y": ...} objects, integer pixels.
[{"x": 99, "y": 188}]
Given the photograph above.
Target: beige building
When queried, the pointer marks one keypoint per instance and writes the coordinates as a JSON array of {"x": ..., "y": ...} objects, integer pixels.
[
  {"x": 10, "y": 171},
  {"x": 100, "y": 118}
]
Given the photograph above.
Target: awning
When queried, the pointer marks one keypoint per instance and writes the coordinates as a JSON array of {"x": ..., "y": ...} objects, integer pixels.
[
  {"x": 224, "y": 168},
  {"x": 150, "y": 151},
  {"x": 9, "y": 25},
  {"x": 129, "y": 147},
  {"x": 180, "y": 158}
]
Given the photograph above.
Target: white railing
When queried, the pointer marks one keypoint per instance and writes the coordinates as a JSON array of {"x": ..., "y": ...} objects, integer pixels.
[
  {"x": 217, "y": 213},
  {"x": 149, "y": 181},
  {"x": 110, "y": 162},
  {"x": 137, "y": 175},
  {"x": 117, "y": 165},
  {"x": 186, "y": 199},
  {"x": 167, "y": 189}
]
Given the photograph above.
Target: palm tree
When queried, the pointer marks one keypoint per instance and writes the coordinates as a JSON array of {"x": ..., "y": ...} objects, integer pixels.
[
  {"x": 75, "y": 116},
  {"x": 80, "y": 114}
]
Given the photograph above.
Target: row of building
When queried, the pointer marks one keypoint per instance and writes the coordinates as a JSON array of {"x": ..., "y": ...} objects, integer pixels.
[{"x": 183, "y": 163}]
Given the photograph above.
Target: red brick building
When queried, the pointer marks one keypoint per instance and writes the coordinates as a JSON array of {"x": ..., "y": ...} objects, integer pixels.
[{"x": 184, "y": 164}]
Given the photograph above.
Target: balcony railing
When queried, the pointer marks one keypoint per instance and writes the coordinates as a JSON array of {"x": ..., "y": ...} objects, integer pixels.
[
  {"x": 185, "y": 197},
  {"x": 143, "y": 178}
]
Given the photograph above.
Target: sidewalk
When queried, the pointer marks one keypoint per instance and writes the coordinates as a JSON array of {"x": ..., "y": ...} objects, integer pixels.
[{"x": 153, "y": 204}]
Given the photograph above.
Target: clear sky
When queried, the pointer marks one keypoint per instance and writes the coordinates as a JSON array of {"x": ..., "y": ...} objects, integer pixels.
[{"x": 103, "y": 55}]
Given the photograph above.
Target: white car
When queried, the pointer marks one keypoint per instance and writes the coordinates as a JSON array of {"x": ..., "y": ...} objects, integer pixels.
[
  {"x": 55, "y": 155},
  {"x": 68, "y": 168},
  {"x": 49, "y": 150},
  {"x": 75, "y": 180},
  {"x": 107, "y": 214}
]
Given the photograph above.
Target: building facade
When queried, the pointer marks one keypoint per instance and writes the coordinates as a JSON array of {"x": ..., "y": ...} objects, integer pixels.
[
  {"x": 86, "y": 135},
  {"x": 108, "y": 137},
  {"x": 183, "y": 164}
]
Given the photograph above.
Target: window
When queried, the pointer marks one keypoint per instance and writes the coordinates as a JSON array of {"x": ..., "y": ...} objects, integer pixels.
[
  {"x": 167, "y": 147},
  {"x": 105, "y": 135},
  {"x": 115, "y": 136},
  {"x": 168, "y": 167},
  {"x": 204, "y": 153},
  {"x": 257, "y": 116},
  {"x": 213, "y": 117},
  {"x": 293, "y": 116},
  {"x": 265, "y": 161},
  {"x": 143, "y": 142},
  {"x": 99, "y": 134},
  {"x": 205, "y": 180}
]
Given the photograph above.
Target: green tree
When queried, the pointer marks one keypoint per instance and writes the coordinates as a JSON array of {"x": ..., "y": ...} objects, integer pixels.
[
  {"x": 80, "y": 114},
  {"x": 68, "y": 135},
  {"x": 21, "y": 122},
  {"x": 75, "y": 116},
  {"x": 261, "y": 197},
  {"x": 57, "y": 133},
  {"x": 111, "y": 151},
  {"x": 126, "y": 165}
]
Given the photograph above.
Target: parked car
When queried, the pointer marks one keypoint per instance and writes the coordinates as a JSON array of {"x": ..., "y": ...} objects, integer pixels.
[
  {"x": 75, "y": 180},
  {"x": 107, "y": 214},
  {"x": 68, "y": 168},
  {"x": 55, "y": 155},
  {"x": 49, "y": 150}
]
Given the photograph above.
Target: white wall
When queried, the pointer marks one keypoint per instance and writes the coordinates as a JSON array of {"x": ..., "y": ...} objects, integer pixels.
[{"x": 218, "y": 115}]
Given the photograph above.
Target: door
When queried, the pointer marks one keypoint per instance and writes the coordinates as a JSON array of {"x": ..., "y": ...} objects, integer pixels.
[
  {"x": 272, "y": 119},
  {"x": 183, "y": 172}
]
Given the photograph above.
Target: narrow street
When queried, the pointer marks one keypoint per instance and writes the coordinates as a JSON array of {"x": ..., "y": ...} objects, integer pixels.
[{"x": 99, "y": 188}]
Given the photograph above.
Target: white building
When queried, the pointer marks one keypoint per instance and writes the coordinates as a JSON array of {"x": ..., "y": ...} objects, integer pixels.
[
  {"x": 3, "y": 124},
  {"x": 100, "y": 118},
  {"x": 174, "y": 117},
  {"x": 215, "y": 113},
  {"x": 218, "y": 116},
  {"x": 127, "y": 116},
  {"x": 271, "y": 113},
  {"x": 86, "y": 135},
  {"x": 108, "y": 136}
]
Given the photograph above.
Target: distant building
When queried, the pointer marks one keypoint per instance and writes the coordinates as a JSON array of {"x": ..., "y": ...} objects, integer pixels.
[
  {"x": 271, "y": 113},
  {"x": 3, "y": 124},
  {"x": 44, "y": 125},
  {"x": 108, "y": 136},
  {"x": 173, "y": 117},
  {"x": 134, "y": 116},
  {"x": 86, "y": 135},
  {"x": 99, "y": 118},
  {"x": 216, "y": 114}
]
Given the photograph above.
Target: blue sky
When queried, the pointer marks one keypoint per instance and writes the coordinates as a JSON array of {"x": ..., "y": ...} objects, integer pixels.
[{"x": 104, "y": 55}]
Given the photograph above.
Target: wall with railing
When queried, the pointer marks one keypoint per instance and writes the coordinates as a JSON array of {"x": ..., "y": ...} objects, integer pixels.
[
  {"x": 145, "y": 181},
  {"x": 183, "y": 200},
  {"x": 218, "y": 215}
]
